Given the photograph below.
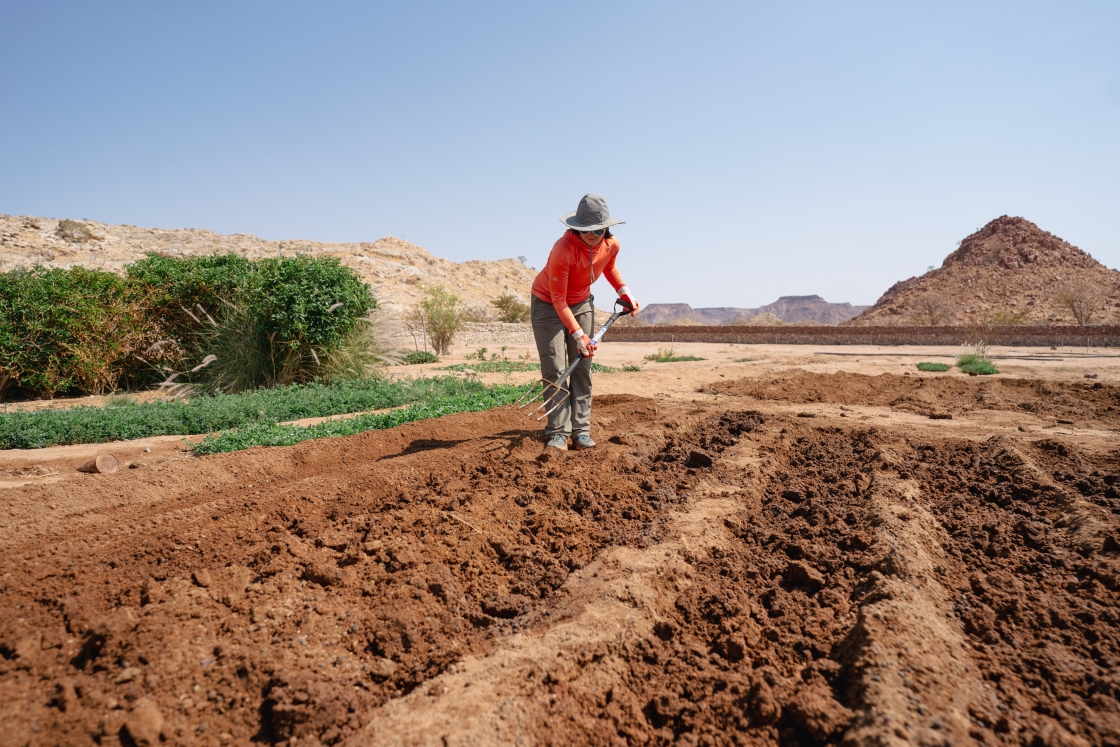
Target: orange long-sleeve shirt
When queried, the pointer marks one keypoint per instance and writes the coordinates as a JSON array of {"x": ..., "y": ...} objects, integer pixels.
[{"x": 566, "y": 278}]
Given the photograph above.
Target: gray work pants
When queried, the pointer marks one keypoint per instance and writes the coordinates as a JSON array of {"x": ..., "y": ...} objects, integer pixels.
[{"x": 557, "y": 349}]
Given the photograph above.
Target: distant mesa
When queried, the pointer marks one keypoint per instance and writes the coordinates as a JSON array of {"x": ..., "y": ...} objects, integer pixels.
[
  {"x": 1008, "y": 272},
  {"x": 786, "y": 310}
]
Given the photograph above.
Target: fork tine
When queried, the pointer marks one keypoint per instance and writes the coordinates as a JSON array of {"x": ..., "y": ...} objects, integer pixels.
[{"x": 560, "y": 401}]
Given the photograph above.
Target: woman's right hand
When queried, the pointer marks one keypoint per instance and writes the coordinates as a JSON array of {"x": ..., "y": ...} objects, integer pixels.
[{"x": 583, "y": 342}]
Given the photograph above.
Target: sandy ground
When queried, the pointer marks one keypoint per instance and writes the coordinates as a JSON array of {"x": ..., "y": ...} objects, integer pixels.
[{"x": 800, "y": 548}]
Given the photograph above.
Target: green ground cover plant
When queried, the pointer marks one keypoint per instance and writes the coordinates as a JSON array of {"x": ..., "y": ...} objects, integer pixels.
[
  {"x": 975, "y": 360},
  {"x": 474, "y": 398},
  {"x": 125, "y": 420},
  {"x": 974, "y": 364},
  {"x": 512, "y": 367},
  {"x": 934, "y": 367},
  {"x": 742, "y": 360},
  {"x": 416, "y": 357},
  {"x": 667, "y": 355},
  {"x": 631, "y": 367}
]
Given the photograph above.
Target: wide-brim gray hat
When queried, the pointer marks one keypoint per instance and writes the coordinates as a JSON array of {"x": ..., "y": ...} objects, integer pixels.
[{"x": 591, "y": 215}]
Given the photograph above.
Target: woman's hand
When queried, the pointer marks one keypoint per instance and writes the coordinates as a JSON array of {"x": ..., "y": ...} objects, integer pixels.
[
  {"x": 583, "y": 343},
  {"x": 625, "y": 297}
]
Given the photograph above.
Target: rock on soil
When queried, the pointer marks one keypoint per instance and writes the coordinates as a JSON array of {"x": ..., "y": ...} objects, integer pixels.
[{"x": 727, "y": 573}]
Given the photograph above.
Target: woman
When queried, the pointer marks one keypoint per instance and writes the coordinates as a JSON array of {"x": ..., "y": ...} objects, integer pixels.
[{"x": 563, "y": 313}]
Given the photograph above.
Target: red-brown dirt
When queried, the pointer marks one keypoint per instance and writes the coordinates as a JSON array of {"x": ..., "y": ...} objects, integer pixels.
[{"x": 720, "y": 571}]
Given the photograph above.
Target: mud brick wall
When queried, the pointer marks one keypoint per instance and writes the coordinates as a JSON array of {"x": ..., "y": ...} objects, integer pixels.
[{"x": 1035, "y": 336}]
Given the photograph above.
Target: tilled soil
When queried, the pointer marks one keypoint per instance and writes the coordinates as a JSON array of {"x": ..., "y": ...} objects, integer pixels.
[{"x": 719, "y": 571}]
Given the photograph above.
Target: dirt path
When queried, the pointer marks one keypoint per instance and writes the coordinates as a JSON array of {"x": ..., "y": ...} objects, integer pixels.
[{"x": 790, "y": 553}]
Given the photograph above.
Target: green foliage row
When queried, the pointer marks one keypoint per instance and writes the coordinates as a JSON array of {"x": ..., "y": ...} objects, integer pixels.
[
  {"x": 515, "y": 367},
  {"x": 934, "y": 367},
  {"x": 206, "y": 414},
  {"x": 89, "y": 331},
  {"x": 475, "y": 398}
]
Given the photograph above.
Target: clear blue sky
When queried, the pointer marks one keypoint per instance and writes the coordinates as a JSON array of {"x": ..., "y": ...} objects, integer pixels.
[{"x": 754, "y": 149}]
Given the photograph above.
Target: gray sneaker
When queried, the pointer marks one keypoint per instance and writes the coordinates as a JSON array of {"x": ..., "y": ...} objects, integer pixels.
[
  {"x": 558, "y": 441},
  {"x": 583, "y": 441}
]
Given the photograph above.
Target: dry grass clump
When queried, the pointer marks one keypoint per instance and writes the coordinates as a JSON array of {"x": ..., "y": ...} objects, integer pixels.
[{"x": 73, "y": 230}]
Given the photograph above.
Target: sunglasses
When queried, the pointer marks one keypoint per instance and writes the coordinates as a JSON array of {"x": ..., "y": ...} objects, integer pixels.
[{"x": 598, "y": 232}]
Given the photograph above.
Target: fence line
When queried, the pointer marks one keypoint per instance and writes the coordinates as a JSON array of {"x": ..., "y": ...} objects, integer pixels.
[{"x": 1022, "y": 336}]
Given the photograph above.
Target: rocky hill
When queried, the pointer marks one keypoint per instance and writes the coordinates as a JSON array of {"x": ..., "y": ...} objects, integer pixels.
[
  {"x": 787, "y": 309},
  {"x": 396, "y": 270},
  {"x": 1010, "y": 271}
]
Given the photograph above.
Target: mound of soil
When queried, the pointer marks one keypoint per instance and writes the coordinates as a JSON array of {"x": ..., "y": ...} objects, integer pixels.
[
  {"x": 713, "y": 573},
  {"x": 1078, "y": 403},
  {"x": 1011, "y": 268}
]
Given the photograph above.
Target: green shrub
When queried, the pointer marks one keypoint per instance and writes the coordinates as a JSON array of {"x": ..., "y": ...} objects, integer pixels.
[
  {"x": 667, "y": 355},
  {"x": 238, "y": 324},
  {"x": 298, "y": 301},
  {"x": 511, "y": 308},
  {"x": 441, "y": 314},
  {"x": 70, "y": 330},
  {"x": 977, "y": 365},
  {"x": 416, "y": 357},
  {"x": 630, "y": 367},
  {"x": 937, "y": 367},
  {"x": 271, "y": 322}
]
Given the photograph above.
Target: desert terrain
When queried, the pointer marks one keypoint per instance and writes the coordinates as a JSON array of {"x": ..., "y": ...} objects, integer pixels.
[{"x": 770, "y": 546}]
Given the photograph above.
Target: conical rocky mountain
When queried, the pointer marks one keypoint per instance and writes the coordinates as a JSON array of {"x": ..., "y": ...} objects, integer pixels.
[{"x": 1009, "y": 272}]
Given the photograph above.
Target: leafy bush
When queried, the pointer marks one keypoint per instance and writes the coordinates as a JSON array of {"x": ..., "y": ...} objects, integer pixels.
[
  {"x": 473, "y": 398},
  {"x": 630, "y": 367},
  {"x": 65, "y": 330},
  {"x": 416, "y": 357},
  {"x": 977, "y": 365},
  {"x": 667, "y": 355},
  {"x": 296, "y": 302},
  {"x": 270, "y": 322},
  {"x": 441, "y": 314},
  {"x": 975, "y": 360},
  {"x": 206, "y": 414},
  {"x": 73, "y": 230},
  {"x": 935, "y": 367},
  {"x": 278, "y": 321},
  {"x": 511, "y": 308}
]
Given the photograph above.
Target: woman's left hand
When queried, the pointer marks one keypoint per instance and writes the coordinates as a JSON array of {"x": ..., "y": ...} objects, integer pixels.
[{"x": 629, "y": 300}]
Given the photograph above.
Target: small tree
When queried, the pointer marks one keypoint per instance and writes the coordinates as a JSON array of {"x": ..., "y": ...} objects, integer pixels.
[
  {"x": 511, "y": 308},
  {"x": 932, "y": 310},
  {"x": 1081, "y": 301},
  {"x": 441, "y": 314}
]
